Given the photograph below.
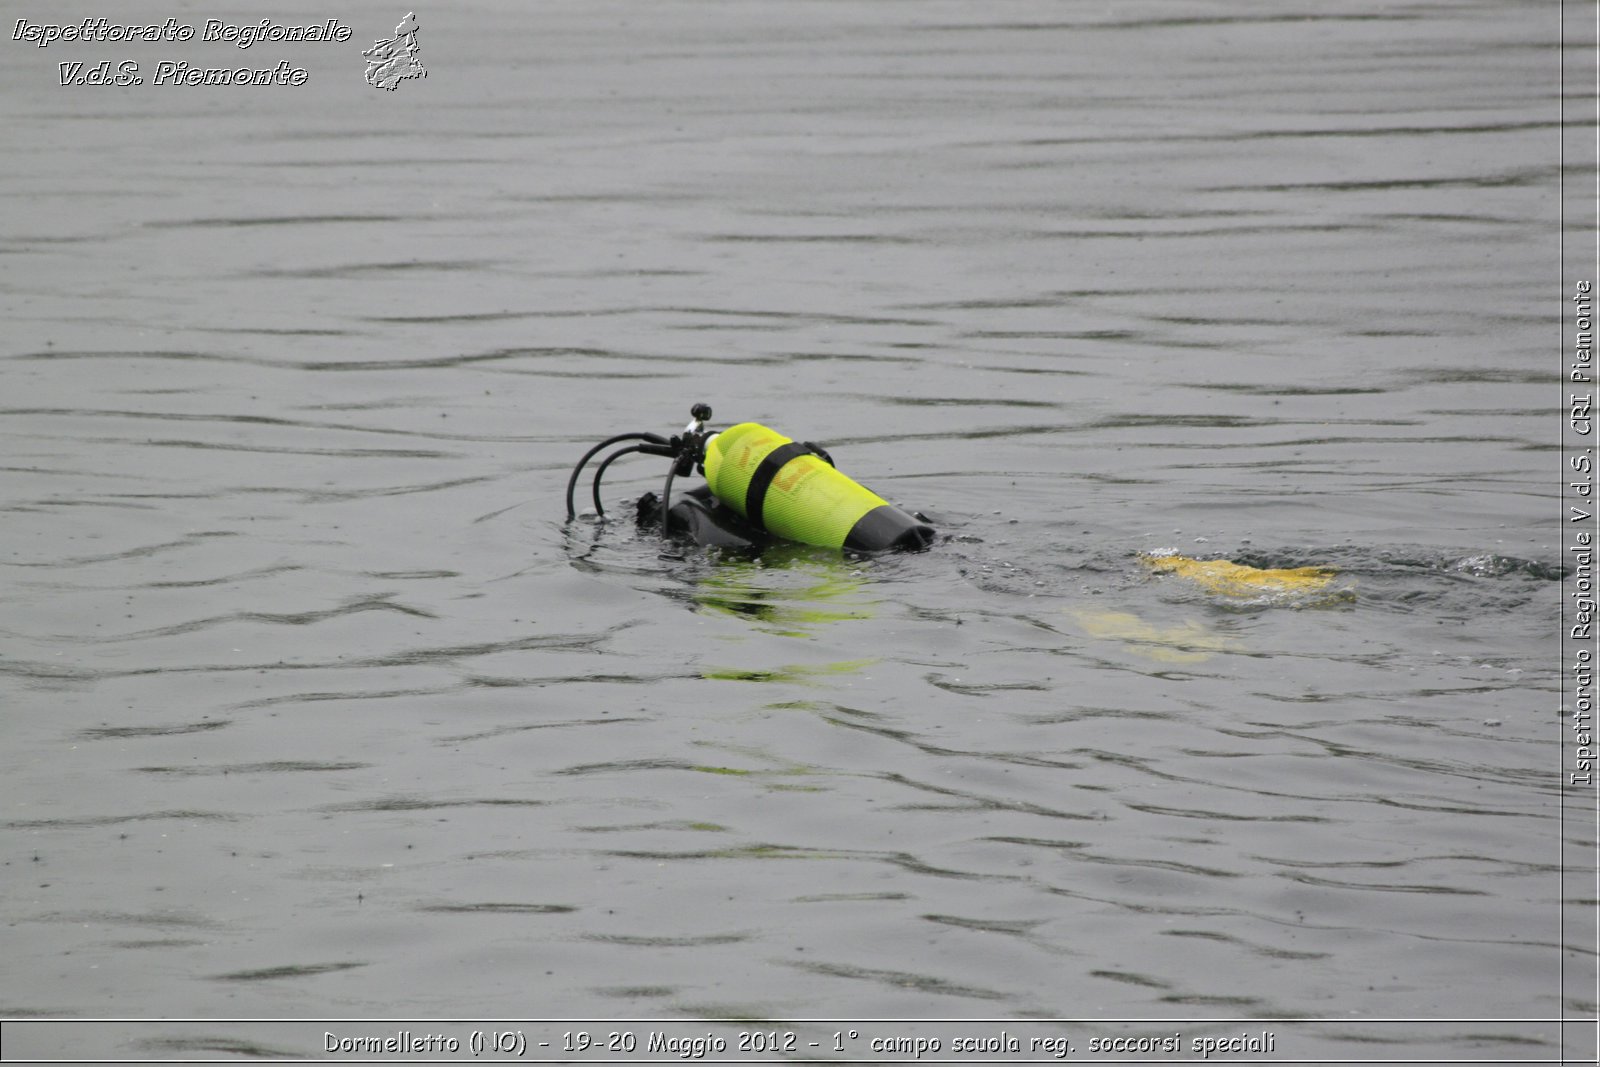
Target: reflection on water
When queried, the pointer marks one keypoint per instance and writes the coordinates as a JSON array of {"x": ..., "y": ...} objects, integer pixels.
[
  {"x": 316, "y": 706},
  {"x": 790, "y": 598}
]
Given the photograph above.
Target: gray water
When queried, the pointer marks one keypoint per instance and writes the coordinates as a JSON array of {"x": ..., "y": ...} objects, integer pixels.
[{"x": 316, "y": 707}]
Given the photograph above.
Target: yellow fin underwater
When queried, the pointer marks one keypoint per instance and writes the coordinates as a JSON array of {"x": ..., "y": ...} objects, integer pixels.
[{"x": 1193, "y": 641}]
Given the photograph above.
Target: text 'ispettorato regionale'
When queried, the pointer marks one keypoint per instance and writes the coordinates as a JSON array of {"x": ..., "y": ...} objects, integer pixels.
[{"x": 99, "y": 30}]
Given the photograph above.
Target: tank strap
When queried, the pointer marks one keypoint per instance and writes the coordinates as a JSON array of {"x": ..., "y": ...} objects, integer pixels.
[{"x": 755, "y": 494}]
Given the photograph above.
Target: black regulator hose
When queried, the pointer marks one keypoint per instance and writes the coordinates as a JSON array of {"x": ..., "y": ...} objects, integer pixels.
[
  {"x": 600, "y": 472},
  {"x": 691, "y": 451},
  {"x": 666, "y": 501},
  {"x": 572, "y": 482},
  {"x": 685, "y": 450}
]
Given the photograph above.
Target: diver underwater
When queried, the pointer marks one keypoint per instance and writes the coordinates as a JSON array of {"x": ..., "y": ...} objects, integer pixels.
[{"x": 764, "y": 489}]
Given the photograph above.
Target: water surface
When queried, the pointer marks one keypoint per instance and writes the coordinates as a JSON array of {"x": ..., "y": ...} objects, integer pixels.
[{"x": 316, "y": 707}]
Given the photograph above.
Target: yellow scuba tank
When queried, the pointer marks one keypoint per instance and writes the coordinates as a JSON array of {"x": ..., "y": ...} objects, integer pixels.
[{"x": 790, "y": 489}]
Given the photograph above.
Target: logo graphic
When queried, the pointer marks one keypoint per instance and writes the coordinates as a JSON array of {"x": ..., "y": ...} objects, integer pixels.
[{"x": 393, "y": 61}]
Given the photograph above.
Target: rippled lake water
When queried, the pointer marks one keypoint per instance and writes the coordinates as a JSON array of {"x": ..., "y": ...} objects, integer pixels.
[{"x": 315, "y": 706}]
